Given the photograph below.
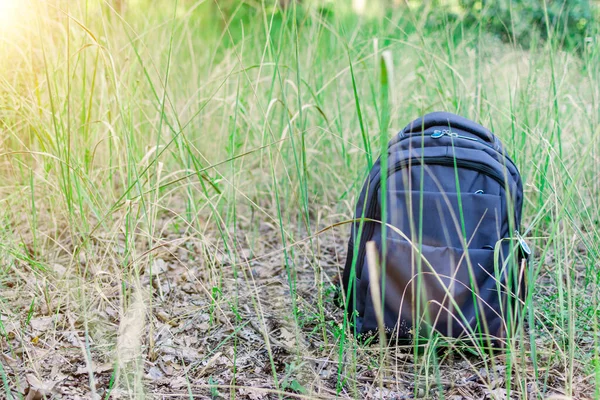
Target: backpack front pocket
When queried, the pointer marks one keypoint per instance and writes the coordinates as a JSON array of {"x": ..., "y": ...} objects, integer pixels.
[
  {"x": 435, "y": 218},
  {"x": 445, "y": 289}
]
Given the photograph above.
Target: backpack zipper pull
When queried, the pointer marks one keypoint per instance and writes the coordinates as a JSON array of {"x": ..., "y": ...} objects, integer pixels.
[
  {"x": 437, "y": 134},
  {"x": 447, "y": 132},
  {"x": 523, "y": 244}
]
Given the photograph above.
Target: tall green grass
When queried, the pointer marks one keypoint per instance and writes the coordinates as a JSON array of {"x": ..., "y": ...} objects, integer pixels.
[{"x": 239, "y": 136}]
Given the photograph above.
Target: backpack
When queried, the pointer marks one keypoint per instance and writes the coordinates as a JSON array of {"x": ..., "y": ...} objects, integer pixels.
[{"x": 449, "y": 255}]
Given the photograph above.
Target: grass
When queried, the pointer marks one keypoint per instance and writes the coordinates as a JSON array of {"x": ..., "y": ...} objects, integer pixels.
[{"x": 177, "y": 189}]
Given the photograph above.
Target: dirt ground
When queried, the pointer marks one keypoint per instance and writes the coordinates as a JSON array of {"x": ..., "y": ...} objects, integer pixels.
[{"x": 193, "y": 322}]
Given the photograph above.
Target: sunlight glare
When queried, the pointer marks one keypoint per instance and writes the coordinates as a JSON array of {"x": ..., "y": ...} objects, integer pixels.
[{"x": 10, "y": 13}]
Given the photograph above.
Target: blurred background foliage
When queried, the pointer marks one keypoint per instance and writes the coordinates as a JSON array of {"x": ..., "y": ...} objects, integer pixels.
[{"x": 522, "y": 22}]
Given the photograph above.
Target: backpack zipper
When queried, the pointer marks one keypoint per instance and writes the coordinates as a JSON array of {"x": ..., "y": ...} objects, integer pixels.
[
  {"x": 447, "y": 132},
  {"x": 420, "y": 161},
  {"x": 438, "y": 133},
  {"x": 443, "y": 161}
]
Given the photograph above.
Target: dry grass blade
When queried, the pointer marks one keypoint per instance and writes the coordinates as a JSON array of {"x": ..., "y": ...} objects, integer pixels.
[
  {"x": 131, "y": 330},
  {"x": 375, "y": 285}
]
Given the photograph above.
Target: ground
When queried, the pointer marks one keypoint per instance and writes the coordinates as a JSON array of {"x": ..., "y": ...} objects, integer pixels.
[
  {"x": 176, "y": 191},
  {"x": 183, "y": 334}
]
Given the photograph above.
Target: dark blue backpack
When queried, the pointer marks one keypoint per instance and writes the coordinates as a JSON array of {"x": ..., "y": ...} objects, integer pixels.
[{"x": 448, "y": 248}]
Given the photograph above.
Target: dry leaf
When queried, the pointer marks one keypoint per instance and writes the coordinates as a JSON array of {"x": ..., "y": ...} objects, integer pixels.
[
  {"x": 203, "y": 326},
  {"x": 252, "y": 394},
  {"x": 287, "y": 338},
  {"x": 496, "y": 394},
  {"x": 167, "y": 369},
  {"x": 96, "y": 369},
  {"x": 37, "y": 388},
  {"x": 72, "y": 338},
  {"x": 162, "y": 316},
  {"x": 159, "y": 266},
  {"x": 9, "y": 326},
  {"x": 186, "y": 353},
  {"x": 154, "y": 373},
  {"x": 209, "y": 364},
  {"x": 178, "y": 383},
  {"x": 42, "y": 324},
  {"x": 59, "y": 269},
  {"x": 8, "y": 360}
]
